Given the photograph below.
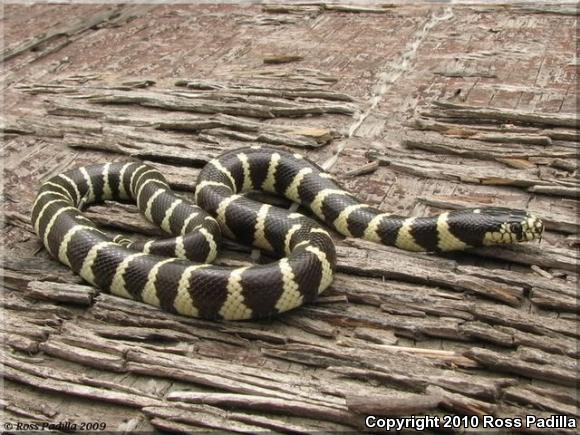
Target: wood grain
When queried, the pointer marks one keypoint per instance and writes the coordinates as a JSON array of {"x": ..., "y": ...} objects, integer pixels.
[{"x": 416, "y": 108}]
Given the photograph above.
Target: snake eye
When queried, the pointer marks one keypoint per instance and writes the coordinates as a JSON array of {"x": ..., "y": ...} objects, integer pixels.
[{"x": 516, "y": 228}]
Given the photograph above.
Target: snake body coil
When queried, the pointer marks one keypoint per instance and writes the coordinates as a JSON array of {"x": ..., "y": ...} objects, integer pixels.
[{"x": 150, "y": 272}]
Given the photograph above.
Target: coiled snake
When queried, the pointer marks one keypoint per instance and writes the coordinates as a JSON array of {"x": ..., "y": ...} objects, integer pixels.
[{"x": 175, "y": 273}]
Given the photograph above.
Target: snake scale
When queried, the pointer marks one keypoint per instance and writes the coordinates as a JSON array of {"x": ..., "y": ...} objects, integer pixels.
[{"x": 175, "y": 273}]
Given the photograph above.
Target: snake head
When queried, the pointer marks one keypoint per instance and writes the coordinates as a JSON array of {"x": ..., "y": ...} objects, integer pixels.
[{"x": 510, "y": 226}]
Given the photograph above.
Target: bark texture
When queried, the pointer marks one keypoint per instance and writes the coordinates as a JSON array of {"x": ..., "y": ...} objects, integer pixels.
[{"x": 417, "y": 109}]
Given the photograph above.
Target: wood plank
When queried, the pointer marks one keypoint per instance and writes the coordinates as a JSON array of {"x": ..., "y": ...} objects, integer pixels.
[{"x": 415, "y": 108}]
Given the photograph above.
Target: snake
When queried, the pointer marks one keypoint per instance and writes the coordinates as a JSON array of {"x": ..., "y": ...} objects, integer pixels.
[{"x": 175, "y": 272}]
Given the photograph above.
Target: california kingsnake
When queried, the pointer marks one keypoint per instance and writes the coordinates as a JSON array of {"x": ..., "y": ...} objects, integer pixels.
[{"x": 306, "y": 251}]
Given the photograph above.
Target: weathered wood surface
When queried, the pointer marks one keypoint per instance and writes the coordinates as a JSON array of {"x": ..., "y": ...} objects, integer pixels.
[{"x": 418, "y": 109}]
